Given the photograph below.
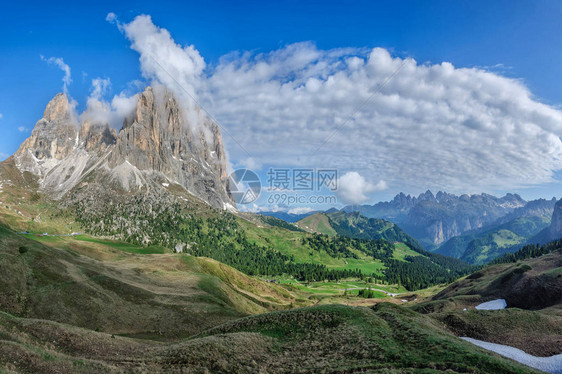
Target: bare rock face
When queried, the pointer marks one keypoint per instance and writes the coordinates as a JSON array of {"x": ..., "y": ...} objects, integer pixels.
[
  {"x": 97, "y": 137},
  {"x": 159, "y": 138},
  {"x": 157, "y": 146},
  {"x": 54, "y": 138},
  {"x": 555, "y": 229}
]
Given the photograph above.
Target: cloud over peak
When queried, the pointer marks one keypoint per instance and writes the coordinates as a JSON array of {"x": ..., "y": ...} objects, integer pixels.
[
  {"x": 59, "y": 62},
  {"x": 387, "y": 118},
  {"x": 161, "y": 58},
  {"x": 100, "y": 111}
]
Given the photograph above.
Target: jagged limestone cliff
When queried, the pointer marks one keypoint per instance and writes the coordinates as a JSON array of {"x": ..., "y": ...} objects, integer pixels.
[{"x": 156, "y": 146}]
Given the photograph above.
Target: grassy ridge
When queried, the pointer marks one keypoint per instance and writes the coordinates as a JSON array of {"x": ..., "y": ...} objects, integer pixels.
[
  {"x": 354, "y": 225},
  {"x": 109, "y": 286},
  {"x": 327, "y": 338},
  {"x": 317, "y": 222},
  {"x": 532, "y": 283},
  {"x": 116, "y": 244}
]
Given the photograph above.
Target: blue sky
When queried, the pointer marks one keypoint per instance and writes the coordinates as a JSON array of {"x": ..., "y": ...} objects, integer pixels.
[{"x": 520, "y": 40}]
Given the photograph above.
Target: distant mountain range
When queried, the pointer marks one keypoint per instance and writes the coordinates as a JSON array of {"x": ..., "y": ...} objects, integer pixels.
[
  {"x": 433, "y": 219},
  {"x": 506, "y": 234},
  {"x": 475, "y": 228}
]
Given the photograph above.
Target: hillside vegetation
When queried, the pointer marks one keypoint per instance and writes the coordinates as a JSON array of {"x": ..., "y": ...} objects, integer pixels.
[
  {"x": 481, "y": 246},
  {"x": 531, "y": 284},
  {"x": 319, "y": 339},
  {"x": 106, "y": 286},
  {"x": 257, "y": 245},
  {"x": 530, "y": 280},
  {"x": 534, "y": 285},
  {"x": 74, "y": 303},
  {"x": 355, "y": 225},
  {"x": 319, "y": 223}
]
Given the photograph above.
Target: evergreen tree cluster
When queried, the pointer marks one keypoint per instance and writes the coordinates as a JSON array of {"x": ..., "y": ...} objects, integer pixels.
[
  {"x": 272, "y": 221},
  {"x": 367, "y": 293},
  {"x": 150, "y": 221},
  {"x": 162, "y": 220}
]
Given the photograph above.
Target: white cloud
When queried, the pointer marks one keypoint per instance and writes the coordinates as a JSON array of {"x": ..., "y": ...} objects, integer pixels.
[
  {"x": 177, "y": 67},
  {"x": 250, "y": 208},
  {"x": 300, "y": 210},
  {"x": 100, "y": 111},
  {"x": 58, "y": 61},
  {"x": 23, "y": 129},
  {"x": 255, "y": 208},
  {"x": 250, "y": 163},
  {"x": 430, "y": 126},
  {"x": 0, "y": 115},
  {"x": 111, "y": 17},
  {"x": 354, "y": 189}
]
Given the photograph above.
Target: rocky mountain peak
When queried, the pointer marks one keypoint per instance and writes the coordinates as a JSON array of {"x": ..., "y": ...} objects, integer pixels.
[
  {"x": 57, "y": 108},
  {"x": 426, "y": 196},
  {"x": 513, "y": 200},
  {"x": 161, "y": 136},
  {"x": 401, "y": 198},
  {"x": 445, "y": 197},
  {"x": 160, "y": 143},
  {"x": 54, "y": 137}
]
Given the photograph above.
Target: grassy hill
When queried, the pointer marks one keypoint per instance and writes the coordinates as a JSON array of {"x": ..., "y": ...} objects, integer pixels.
[
  {"x": 533, "y": 283},
  {"x": 114, "y": 286},
  {"x": 330, "y": 338},
  {"x": 318, "y": 222},
  {"x": 78, "y": 303},
  {"x": 117, "y": 298},
  {"x": 532, "y": 289},
  {"x": 355, "y": 225}
]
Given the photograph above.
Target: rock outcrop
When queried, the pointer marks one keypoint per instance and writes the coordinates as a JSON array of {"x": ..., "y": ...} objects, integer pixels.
[
  {"x": 159, "y": 142},
  {"x": 555, "y": 229},
  {"x": 556, "y": 221}
]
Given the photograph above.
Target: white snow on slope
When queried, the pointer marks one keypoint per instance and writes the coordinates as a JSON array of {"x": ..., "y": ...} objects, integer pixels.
[
  {"x": 552, "y": 364},
  {"x": 492, "y": 305}
]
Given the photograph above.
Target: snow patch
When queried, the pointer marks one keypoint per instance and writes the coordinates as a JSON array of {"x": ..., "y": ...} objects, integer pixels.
[
  {"x": 552, "y": 364},
  {"x": 492, "y": 305}
]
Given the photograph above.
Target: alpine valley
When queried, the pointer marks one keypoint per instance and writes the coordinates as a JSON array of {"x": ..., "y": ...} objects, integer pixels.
[{"x": 122, "y": 250}]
